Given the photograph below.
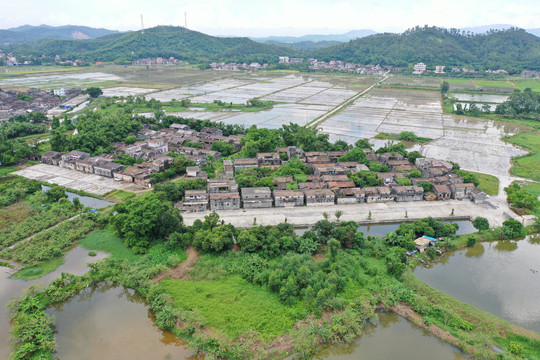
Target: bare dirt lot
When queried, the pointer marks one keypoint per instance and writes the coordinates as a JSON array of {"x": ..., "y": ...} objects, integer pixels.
[{"x": 91, "y": 183}]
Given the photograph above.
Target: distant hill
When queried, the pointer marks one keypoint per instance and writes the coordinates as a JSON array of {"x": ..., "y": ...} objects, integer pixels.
[
  {"x": 164, "y": 41},
  {"x": 29, "y": 33},
  {"x": 305, "y": 45},
  {"x": 509, "y": 49},
  {"x": 535, "y": 32},
  {"x": 354, "y": 34}
]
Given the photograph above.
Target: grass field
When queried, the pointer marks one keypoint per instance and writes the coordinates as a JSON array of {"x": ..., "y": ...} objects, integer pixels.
[
  {"x": 233, "y": 306},
  {"x": 533, "y": 189},
  {"x": 106, "y": 241},
  {"x": 37, "y": 271},
  {"x": 14, "y": 213},
  {"x": 120, "y": 195},
  {"x": 4, "y": 170},
  {"x": 510, "y": 82},
  {"x": 527, "y": 166},
  {"x": 488, "y": 183}
]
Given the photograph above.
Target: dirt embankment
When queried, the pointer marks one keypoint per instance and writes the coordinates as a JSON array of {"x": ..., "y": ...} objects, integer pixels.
[{"x": 180, "y": 272}]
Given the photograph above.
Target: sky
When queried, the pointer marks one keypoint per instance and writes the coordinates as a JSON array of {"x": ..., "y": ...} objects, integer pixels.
[{"x": 271, "y": 17}]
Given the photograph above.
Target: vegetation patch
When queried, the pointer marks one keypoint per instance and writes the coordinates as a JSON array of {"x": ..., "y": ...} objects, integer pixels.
[
  {"x": 233, "y": 306},
  {"x": 528, "y": 165},
  {"x": 120, "y": 195},
  {"x": 105, "y": 240},
  {"x": 37, "y": 271},
  {"x": 487, "y": 183},
  {"x": 404, "y": 136}
]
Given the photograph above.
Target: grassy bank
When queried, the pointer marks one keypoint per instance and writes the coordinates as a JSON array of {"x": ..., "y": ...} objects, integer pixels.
[
  {"x": 104, "y": 240},
  {"x": 37, "y": 271},
  {"x": 405, "y": 136},
  {"x": 527, "y": 166},
  {"x": 488, "y": 183}
]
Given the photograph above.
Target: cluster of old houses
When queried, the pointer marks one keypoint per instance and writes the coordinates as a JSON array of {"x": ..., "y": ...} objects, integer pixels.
[
  {"x": 329, "y": 183},
  {"x": 152, "y": 150},
  {"x": 12, "y": 105},
  {"x": 237, "y": 66},
  {"x": 156, "y": 61}
]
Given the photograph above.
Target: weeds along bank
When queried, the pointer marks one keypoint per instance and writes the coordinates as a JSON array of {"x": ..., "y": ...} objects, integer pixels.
[{"x": 262, "y": 292}]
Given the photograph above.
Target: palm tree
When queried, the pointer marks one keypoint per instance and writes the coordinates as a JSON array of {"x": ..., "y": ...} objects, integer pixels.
[
  {"x": 338, "y": 214},
  {"x": 325, "y": 215}
]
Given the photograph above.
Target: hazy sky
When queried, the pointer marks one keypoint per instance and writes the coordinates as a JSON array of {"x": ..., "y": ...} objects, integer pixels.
[{"x": 271, "y": 17}]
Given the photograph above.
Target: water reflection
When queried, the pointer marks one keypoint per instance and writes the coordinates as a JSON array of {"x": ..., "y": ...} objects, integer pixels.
[
  {"x": 393, "y": 338},
  {"x": 112, "y": 322},
  {"x": 500, "y": 277}
]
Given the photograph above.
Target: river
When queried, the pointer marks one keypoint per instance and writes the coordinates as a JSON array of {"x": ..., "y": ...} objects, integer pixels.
[{"x": 500, "y": 277}]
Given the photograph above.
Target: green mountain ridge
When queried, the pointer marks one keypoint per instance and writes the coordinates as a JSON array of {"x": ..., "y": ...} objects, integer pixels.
[
  {"x": 509, "y": 49},
  {"x": 164, "y": 41}
]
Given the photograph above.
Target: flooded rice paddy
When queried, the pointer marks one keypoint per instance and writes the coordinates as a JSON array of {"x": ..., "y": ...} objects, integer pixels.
[
  {"x": 67, "y": 79},
  {"x": 500, "y": 277}
]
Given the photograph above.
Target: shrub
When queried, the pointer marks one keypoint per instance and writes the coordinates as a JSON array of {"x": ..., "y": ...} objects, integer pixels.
[{"x": 471, "y": 241}]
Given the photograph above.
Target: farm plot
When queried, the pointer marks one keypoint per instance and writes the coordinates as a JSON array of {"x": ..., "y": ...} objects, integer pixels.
[
  {"x": 281, "y": 114},
  {"x": 413, "y": 81},
  {"x": 50, "y": 81},
  {"x": 331, "y": 97},
  {"x": 125, "y": 91}
]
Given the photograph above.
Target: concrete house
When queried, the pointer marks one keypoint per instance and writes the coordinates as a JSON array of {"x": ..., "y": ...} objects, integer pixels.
[
  {"x": 192, "y": 171},
  {"x": 319, "y": 197},
  {"x": 69, "y": 160},
  {"x": 350, "y": 196},
  {"x": 478, "y": 196},
  {"x": 196, "y": 201},
  {"x": 212, "y": 131},
  {"x": 408, "y": 193},
  {"x": 443, "y": 192},
  {"x": 394, "y": 163},
  {"x": 51, "y": 158},
  {"x": 224, "y": 201},
  {"x": 254, "y": 198},
  {"x": 287, "y": 198},
  {"x": 340, "y": 184},
  {"x": 461, "y": 191},
  {"x": 311, "y": 185},
  {"x": 335, "y": 155},
  {"x": 293, "y": 151},
  {"x": 328, "y": 178}
]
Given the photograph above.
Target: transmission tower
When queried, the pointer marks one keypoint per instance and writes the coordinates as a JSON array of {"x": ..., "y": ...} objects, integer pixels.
[{"x": 142, "y": 24}]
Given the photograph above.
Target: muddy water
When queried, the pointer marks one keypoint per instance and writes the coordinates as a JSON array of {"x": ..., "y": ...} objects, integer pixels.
[
  {"x": 393, "y": 338},
  {"x": 75, "y": 263},
  {"x": 379, "y": 230},
  {"x": 501, "y": 277},
  {"x": 85, "y": 200},
  {"x": 112, "y": 322}
]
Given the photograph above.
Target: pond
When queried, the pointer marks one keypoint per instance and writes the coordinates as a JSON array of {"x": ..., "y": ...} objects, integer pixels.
[
  {"x": 380, "y": 230},
  {"x": 112, "y": 322},
  {"x": 75, "y": 263},
  {"x": 500, "y": 277},
  {"x": 85, "y": 200},
  {"x": 393, "y": 338}
]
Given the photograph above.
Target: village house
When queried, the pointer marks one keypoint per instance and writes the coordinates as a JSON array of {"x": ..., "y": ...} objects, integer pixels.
[
  {"x": 352, "y": 166},
  {"x": 294, "y": 151},
  {"x": 219, "y": 185},
  {"x": 311, "y": 185},
  {"x": 129, "y": 173},
  {"x": 389, "y": 177},
  {"x": 395, "y": 163},
  {"x": 319, "y": 197},
  {"x": 422, "y": 243},
  {"x": 51, "y": 158},
  {"x": 244, "y": 163},
  {"x": 443, "y": 192},
  {"x": 212, "y": 131},
  {"x": 328, "y": 178},
  {"x": 193, "y": 171},
  {"x": 350, "y": 196},
  {"x": 268, "y": 159},
  {"x": 333, "y": 185},
  {"x": 286, "y": 198},
  {"x": 179, "y": 127},
  {"x": 478, "y": 196},
  {"x": 386, "y": 194},
  {"x": 408, "y": 193},
  {"x": 228, "y": 168},
  {"x": 461, "y": 191},
  {"x": 328, "y": 169},
  {"x": 372, "y": 194},
  {"x": 107, "y": 168},
  {"x": 69, "y": 159},
  {"x": 384, "y": 158},
  {"x": 225, "y": 201},
  {"x": 196, "y": 201},
  {"x": 335, "y": 155},
  {"x": 257, "y": 197}
]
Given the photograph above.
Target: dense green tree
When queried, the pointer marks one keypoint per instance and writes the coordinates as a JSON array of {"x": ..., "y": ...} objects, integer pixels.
[
  {"x": 481, "y": 223},
  {"x": 224, "y": 148},
  {"x": 356, "y": 154},
  {"x": 94, "y": 92}
]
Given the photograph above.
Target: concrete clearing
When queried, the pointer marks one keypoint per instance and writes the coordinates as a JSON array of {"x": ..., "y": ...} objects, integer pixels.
[{"x": 393, "y": 211}]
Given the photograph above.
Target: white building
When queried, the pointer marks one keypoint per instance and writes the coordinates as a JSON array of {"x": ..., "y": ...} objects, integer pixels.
[
  {"x": 419, "y": 68},
  {"x": 283, "y": 59},
  {"x": 59, "y": 91},
  {"x": 439, "y": 69}
]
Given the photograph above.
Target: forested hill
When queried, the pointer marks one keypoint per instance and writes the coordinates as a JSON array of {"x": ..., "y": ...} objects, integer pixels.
[
  {"x": 509, "y": 49},
  {"x": 164, "y": 41}
]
